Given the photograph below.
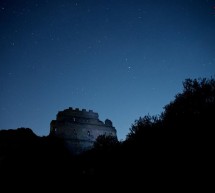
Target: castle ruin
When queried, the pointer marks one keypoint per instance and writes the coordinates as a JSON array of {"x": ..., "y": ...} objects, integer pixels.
[{"x": 80, "y": 128}]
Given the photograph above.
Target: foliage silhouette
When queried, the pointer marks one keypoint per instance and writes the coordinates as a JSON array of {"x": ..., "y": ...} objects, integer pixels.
[
  {"x": 182, "y": 137},
  {"x": 158, "y": 148},
  {"x": 105, "y": 142}
]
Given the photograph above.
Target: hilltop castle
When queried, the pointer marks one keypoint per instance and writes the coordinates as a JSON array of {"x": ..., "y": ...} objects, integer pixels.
[{"x": 80, "y": 128}]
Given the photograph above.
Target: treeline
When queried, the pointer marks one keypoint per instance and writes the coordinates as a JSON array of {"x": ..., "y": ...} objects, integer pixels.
[
  {"x": 179, "y": 142},
  {"x": 175, "y": 141}
]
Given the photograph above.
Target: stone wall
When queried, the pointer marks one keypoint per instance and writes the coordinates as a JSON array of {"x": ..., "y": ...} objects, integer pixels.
[{"x": 80, "y": 128}]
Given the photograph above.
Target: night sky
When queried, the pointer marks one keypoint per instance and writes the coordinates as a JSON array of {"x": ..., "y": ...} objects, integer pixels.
[{"x": 122, "y": 59}]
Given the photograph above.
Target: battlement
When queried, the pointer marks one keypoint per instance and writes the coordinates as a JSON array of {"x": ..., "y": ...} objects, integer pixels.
[
  {"x": 78, "y": 110},
  {"x": 76, "y": 113}
]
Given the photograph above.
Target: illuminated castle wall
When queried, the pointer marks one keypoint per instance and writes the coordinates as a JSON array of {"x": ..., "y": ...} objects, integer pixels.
[{"x": 80, "y": 128}]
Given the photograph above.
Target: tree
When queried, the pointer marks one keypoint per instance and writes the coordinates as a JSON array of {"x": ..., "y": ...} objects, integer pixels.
[
  {"x": 105, "y": 142},
  {"x": 194, "y": 107},
  {"x": 184, "y": 130},
  {"x": 145, "y": 130},
  {"x": 189, "y": 119}
]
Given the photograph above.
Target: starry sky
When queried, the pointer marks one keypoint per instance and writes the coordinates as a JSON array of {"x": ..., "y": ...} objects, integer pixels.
[{"x": 121, "y": 58}]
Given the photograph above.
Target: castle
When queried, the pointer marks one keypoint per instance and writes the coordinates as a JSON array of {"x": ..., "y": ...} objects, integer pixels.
[{"x": 80, "y": 128}]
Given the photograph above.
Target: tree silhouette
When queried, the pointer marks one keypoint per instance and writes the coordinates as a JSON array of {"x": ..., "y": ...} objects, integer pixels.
[
  {"x": 177, "y": 142},
  {"x": 183, "y": 135},
  {"x": 106, "y": 142},
  {"x": 194, "y": 107},
  {"x": 142, "y": 127},
  {"x": 190, "y": 117}
]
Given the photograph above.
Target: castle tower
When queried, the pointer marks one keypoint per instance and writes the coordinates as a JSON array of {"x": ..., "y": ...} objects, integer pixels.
[{"x": 80, "y": 128}]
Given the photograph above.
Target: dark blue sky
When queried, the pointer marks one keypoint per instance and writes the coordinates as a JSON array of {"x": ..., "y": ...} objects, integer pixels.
[{"x": 122, "y": 59}]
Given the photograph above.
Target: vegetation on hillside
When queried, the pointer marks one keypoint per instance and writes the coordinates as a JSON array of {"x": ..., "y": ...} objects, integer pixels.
[{"x": 177, "y": 142}]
